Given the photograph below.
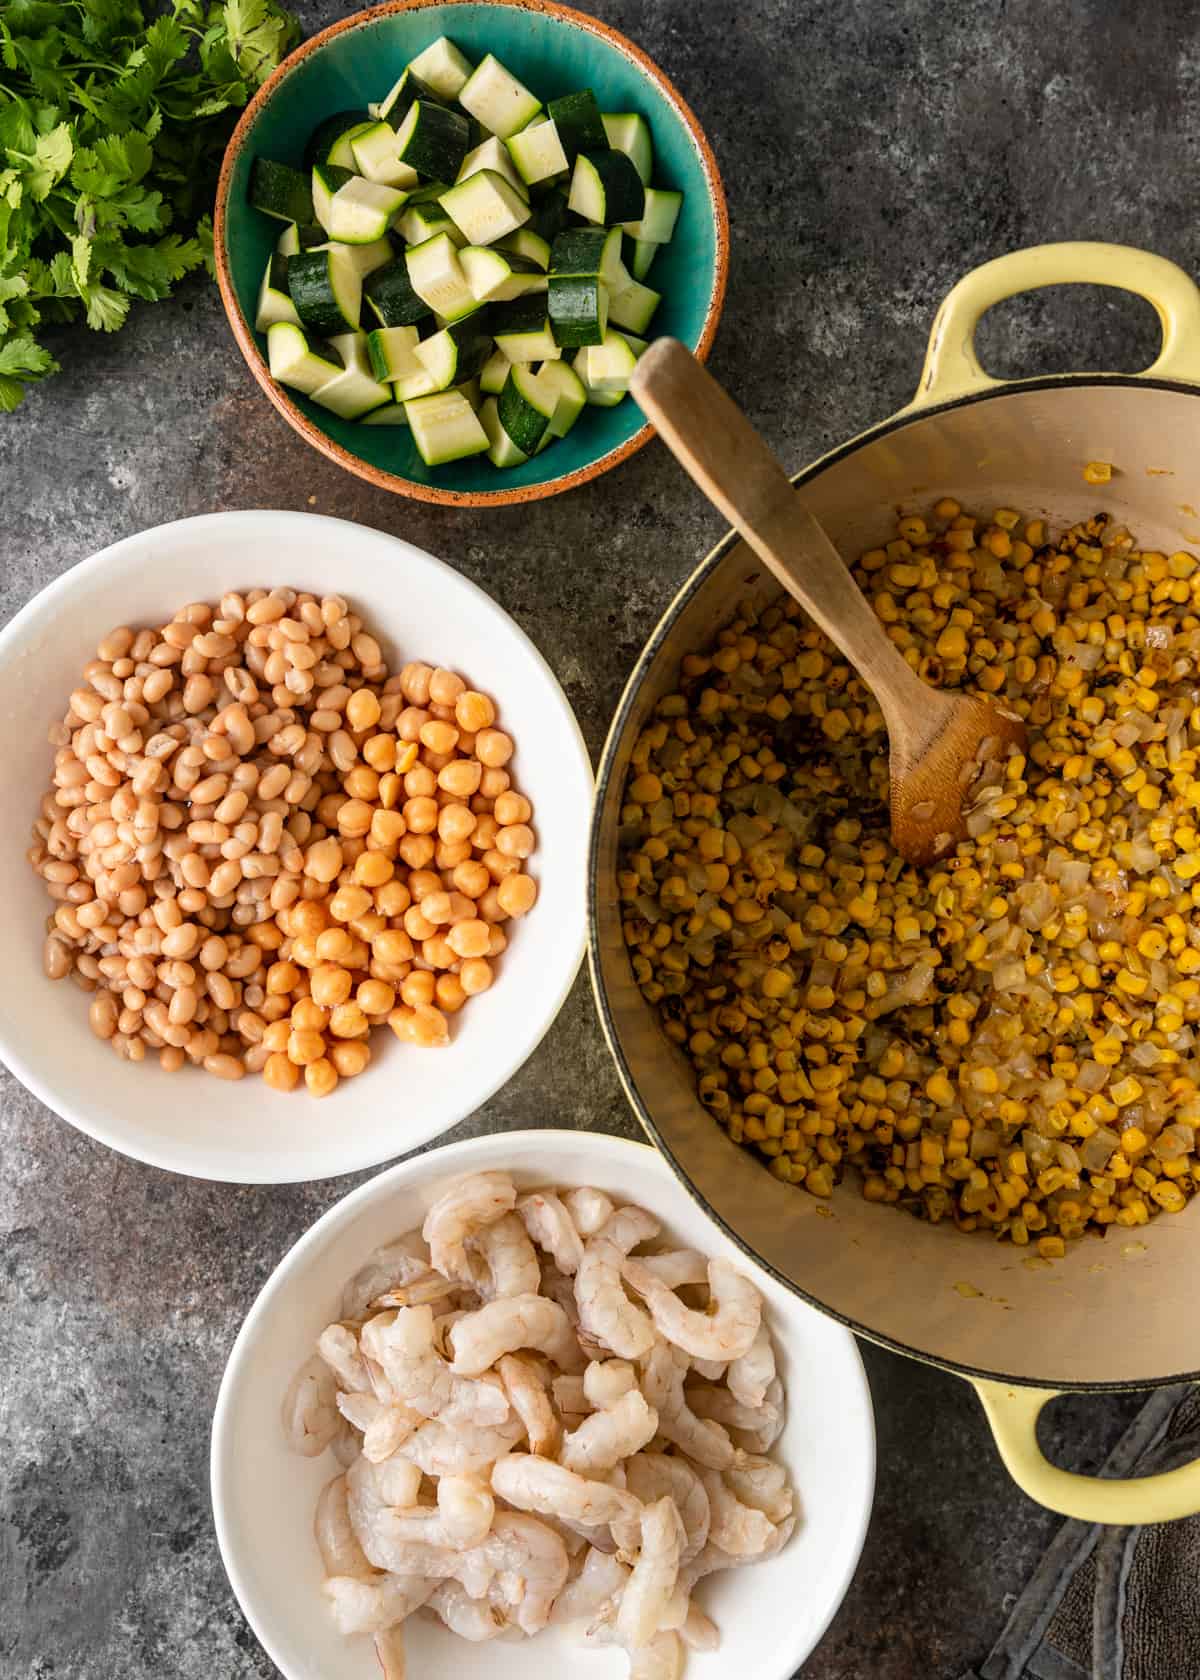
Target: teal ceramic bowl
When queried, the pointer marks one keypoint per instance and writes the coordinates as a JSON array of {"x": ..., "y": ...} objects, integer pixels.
[{"x": 553, "y": 50}]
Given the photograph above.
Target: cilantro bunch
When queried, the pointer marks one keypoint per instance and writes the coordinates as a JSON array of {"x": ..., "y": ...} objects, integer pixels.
[{"x": 113, "y": 119}]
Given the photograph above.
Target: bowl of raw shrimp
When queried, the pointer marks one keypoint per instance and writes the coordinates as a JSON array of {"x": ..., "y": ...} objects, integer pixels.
[{"x": 518, "y": 1403}]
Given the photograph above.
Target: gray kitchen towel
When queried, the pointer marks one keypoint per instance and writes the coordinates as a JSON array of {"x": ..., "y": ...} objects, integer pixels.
[{"x": 1116, "y": 1603}]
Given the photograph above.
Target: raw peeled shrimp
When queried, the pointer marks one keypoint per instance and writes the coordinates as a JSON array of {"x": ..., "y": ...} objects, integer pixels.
[
  {"x": 383, "y": 1428},
  {"x": 640, "y": 1612},
  {"x": 686, "y": 1619},
  {"x": 712, "y": 1558},
  {"x": 606, "y": 1380},
  {"x": 462, "y": 1211},
  {"x": 461, "y": 1519},
  {"x": 551, "y": 1227},
  {"x": 741, "y": 1530},
  {"x": 519, "y": 1321},
  {"x": 460, "y": 1449},
  {"x": 652, "y": 1475},
  {"x": 310, "y": 1414},
  {"x": 402, "y": 1342},
  {"x": 388, "y": 1267},
  {"x": 763, "y": 1483},
  {"x": 662, "y": 1659},
  {"x": 750, "y": 1376},
  {"x": 725, "y": 1331},
  {"x": 525, "y": 1384},
  {"x": 702, "y": 1439},
  {"x": 338, "y": 1347},
  {"x": 346, "y": 1445},
  {"x": 510, "y": 1266},
  {"x": 373, "y": 1490},
  {"x": 607, "y": 1437},
  {"x": 536, "y": 1484},
  {"x": 711, "y": 1369},
  {"x": 476, "y": 1619},
  {"x": 570, "y": 1396},
  {"x": 389, "y": 1653},
  {"x": 424, "y": 1289},
  {"x": 375, "y": 1605},
  {"x": 337, "y": 1543},
  {"x": 589, "y": 1210},
  {"x": 677, "y": 1268},
  {"x": 592, "y": 1595},
  {"x": 757, "y": 1427},
  {"x": 605, "y": 1311}
]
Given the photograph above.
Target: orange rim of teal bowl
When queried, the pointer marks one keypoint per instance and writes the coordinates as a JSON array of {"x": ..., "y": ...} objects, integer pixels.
[{"x": 277, "y": 394}]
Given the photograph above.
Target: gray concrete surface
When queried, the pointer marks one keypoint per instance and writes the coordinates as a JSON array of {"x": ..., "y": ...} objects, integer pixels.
[{"x": 872, "y": 153}]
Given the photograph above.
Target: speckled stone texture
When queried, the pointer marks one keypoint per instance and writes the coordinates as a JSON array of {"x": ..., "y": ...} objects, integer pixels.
[{"x": 872, "y": 153}]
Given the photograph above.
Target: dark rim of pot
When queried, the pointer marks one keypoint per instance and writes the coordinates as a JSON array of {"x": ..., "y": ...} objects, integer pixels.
[{"x": 645, "y": 661}]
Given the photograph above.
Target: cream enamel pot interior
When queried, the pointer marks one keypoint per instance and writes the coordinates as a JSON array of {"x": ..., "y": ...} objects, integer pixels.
[{"x": 1113, "y": 1315}]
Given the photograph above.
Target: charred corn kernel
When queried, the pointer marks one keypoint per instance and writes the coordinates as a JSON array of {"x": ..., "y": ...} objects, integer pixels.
[
  {"x": 1097, "y": 472},
  {"x": 1051, "y": 1248}
]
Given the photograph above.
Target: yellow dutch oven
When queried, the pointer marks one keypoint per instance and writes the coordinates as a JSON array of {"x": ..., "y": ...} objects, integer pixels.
[{"x": 1114, "y": 1315}]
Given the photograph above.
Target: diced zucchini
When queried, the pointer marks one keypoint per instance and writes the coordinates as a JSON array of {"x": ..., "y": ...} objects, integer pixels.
[
  {"x": 294, "y": 361},
  {"x": 355, "y": 391},
  {"x": 499, "y": 276},
  {"x": 607, "y": 367},
  {"x": 526, "y": 407},
  {"x": 403, "y": 93},
  {"x": 493, "y": 154},
  {"x": 639, "y": 346},
  {"x": 295, "y": 238},
  {"x": 606, "y": 188},
  {"x": 391, "y": 414},
  {"x": 484, "y": 207},
  {"x": 359, "y": 211},
  {"x": 522, "y": 330},
  {"x": 537, "y": 153},
  {"x": 579, "y": 122},
  {"x": 327, "y": 181},
  {"x": 597, "y": 397},
  {"x": 494, "y": 372},
  {"x": 524, "y": 243},
  {"x": 444, "y": 67},
  {"x": 437, "y": 278},
  {"x": 658, "y": 218},
  {"x": 497, "y": 99},
  {"x": 633, "y": 306},
  {"x": 445, "y": 428},
  {"x": 455, "y": 354},
  {"x": 327, "y": 133},
  {"x": 366, "y": 258},
  {"x": 550, "y": 215},
  {"x": 392, "y": 352},
  {"x": 279, "y": 190},
  {"x": 375, "y": 157},
  {"x": 644, "y": 253},
  {"x": 502, "y": 452},
  {"x": 629, "y": 132},
  {"x": 274, "y": 299},
  {"x": 571, "y": 398},
  {"x": 341, "y": 152},
  {"x": 326, "y": 288},
  {"x": 433, "y": 140},
  {"x": 419, "y": 222},
  {"x": 390, "y": 297},
  {"x": 578, "y": 296}
]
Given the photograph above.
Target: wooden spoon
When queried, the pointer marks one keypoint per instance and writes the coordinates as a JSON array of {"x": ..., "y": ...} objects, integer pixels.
[{"x": 939, "y": 742}]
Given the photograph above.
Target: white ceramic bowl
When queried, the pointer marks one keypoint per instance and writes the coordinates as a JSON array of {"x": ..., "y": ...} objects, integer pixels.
[
  {"x": 770, "y": 1615},
  {"x": 190, "y": 1122}
]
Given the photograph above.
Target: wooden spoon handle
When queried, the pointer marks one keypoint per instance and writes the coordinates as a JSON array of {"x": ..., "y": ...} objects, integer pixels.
[{"x": 713, "y": 441}]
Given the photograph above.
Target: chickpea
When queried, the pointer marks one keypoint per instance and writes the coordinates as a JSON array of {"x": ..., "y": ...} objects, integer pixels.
[
  {"x": 331, "y": 985},
  {"x": 281, "y": 1073},
  {"x": 320, "y": 1077},
  {"x": 380, "y": 752},
  {"x": 511, "y": 808},
  {"x": 450, "y": 993},
  {"x": 417, "y": 850},
  {"x": 476, "y": 975},
  {"x": 423, "y": 1025},
  {"x": 348, "y": 1021},
  {"x": 354, "y": 818},
  {"x": 483, "y": 839},
  {"x": 387, "y": 828},
  {"x": 474, "y": 711},
  {"x": 517, "y": 894},
  {"x": 362, "y": 783},
  {"x": 362, "y": 710},
  {"x": 439, "y": 737},
  {"x": 445, "y": 687},
  {"x": 423, "y": 882},
  {"x": 415, "y": 680},
  {"x": 282, "y": 977},
  {"x": 323, "y": 861},
  {"x": 374, "y": 997},
  {"x": 417, "y": 988},
  {"x": 392, "y": 899},
  {"x": 471, "y": 878},
  {"x": 494, "y": 782},
  {"x": 335, "y": 945},
  {"x": 349, "y": 902},
  {"x": 349, "y": 1056},
  {"x": 456, "y": 822},
  {"x": 410, "y": 723},
  {"x": 420, "y": 782},
  {"x": 305, "y": 1047},
  {"x": 499, "y": 865},
  {"x": 516, "y": 841},
  {"x": 416, "y": 926},
  {"x": 469, "y": 939},
  {"x": 438, "y": 952},
  {"x": 372, "y": 869},
  {"x": 393, "y": 945},
  {"x": 275, "y": 1038},
  {"x": 421, "y": 815},
  {"x": 309, "y": 1016},
  {"x": 493, "y": 748},
  {"x": 460, "y": 778},
  {"x": 448, "y": 858},
  {"x": 436, "y": 906}
]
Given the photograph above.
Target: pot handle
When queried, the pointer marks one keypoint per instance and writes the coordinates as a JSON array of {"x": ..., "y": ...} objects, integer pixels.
[
  {"x": 1012, "y": 1414},
  {"x": 951, "y": 366}
]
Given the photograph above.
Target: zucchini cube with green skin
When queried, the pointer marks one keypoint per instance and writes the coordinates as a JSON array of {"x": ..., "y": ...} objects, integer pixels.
[
  {"x": 402, "y": 95},
  {"x": 274, "y": 299},
  {"x": 642, "y": 258},
  {"x": 445, "y": 428},
  {"x": 457, "y": 353},
  {"x": 327, "y": 133},
  {"x": 550, "y": 214},
  {"x": 495, "y": 98},
  {"x": 493, "y": 154},
  {"x": 537, "y": 153},
  {"x": 502, "y": 452},
  {"x": 443, "y": 67},
  {"x": 437, "y": 278},
  {"x": 420, "y": 222},
  {"x": 499, "y": 276},
  {"x": 433, "y": 140},
  {"x": 295, "y": 361},
  {"x": 350, "y": 209},
  {"x": 633, "y": 306},
  {"x": 279, "y": 190},
  {"x": 629, "y": 132},
  {"x": 606, "y": 188},
  {"x": 295, "y": 239},
  {"x": 526, "y": 407},
  {"x": 579, "y": 122},
  {"x": 391, "y": 414},
  {"x": 392, "y": 352},
  {"x": 494, "y": 372},
  {"x": 659, "y": 215},
  {"x": 326, "y": 288},
  {"x": 607, "y": 367},
  {"x": 355, "y": 391},
  {"x": 376, "y": 157},
  {"x": 522, "y": 330},
  {"x": 578, "y": 296},
  {"x": 485, "y": 207},
  {"x": 390, "y": 298},
  {"x": 571, "y": 398},
  {"x": 524, "y": 243}
]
